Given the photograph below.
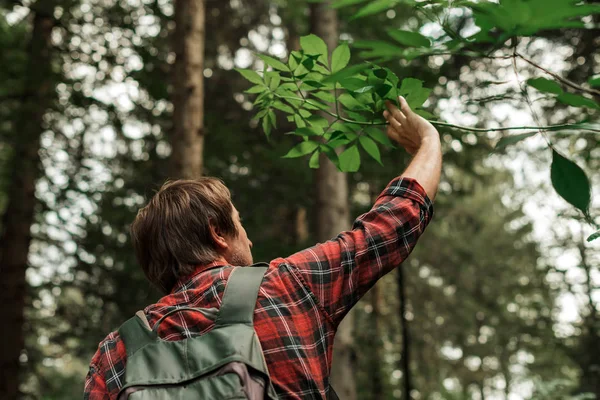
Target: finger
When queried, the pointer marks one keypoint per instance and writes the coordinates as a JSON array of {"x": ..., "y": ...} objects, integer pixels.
[
  {"x": 404, "y": 106},
  {"x": 394, "y": 123},
  {"x": 386, "y": 114},
  {"x": 396, "y": 113}
]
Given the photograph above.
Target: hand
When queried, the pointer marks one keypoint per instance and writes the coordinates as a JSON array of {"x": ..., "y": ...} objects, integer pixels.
[{"x": 407, "y": 128}]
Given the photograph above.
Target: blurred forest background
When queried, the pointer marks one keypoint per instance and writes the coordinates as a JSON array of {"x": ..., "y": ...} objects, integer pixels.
[{"x": 499, "y": 300}]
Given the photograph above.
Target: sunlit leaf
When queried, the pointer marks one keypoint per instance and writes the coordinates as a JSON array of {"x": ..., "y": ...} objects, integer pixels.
[
  {"x": 512, "y": 139},
  {"x": 250, "y": 75},
  {"x": 283, "y": 107},
  {"x": 302, "y": 149},
  {"x": 570, "y": 182},
  {"x": 314, "y": 45},
  {"x": 306, "y": 131},
  {"x": 350, "y": 159},
  {"x": 325, "y": 96},
  {"x": 370, "y": 147},
  {"x": 256, "y": 89},
  {"x": 340, "y": 57},
  {"x": 346, "y": 73},
  {"x": 276, "y": 64},
  {"x": 545, "y": 85},
  {"x": 350, "y": 102},
  {"x": 594, "y": 81},
  {"x": 408, "y": 38},
  {"x": 352, "y": 83}
]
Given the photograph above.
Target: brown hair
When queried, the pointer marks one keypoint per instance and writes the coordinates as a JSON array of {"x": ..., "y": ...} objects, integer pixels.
[{"x": 171, "y": 235}]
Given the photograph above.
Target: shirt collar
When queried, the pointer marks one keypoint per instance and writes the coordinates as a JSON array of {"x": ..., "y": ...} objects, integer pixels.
[{"x": 190, "y": 280}]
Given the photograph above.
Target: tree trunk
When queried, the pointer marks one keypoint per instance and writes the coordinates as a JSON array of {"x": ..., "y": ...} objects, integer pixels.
[
  {"x": 187, "y": 138},
  {"x": 405, "y": 360},
  {"x": 377, "y": 358},
  {"x": 19, "y": 214},
  {"x": 333, "y": 215}
]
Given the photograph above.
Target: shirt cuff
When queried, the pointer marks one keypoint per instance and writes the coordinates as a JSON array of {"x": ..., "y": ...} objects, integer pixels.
[{"x": 408, "y": 188}]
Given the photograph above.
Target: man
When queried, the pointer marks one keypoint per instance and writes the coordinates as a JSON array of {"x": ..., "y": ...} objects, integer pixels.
[{"x": 189, "y": 236}]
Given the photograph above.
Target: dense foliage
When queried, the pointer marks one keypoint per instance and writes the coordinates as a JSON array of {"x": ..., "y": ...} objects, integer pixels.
[{"x": 483, "y": 291}]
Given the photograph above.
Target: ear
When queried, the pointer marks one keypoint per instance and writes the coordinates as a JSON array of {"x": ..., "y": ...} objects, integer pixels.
[{"x": 217, "y": 238}]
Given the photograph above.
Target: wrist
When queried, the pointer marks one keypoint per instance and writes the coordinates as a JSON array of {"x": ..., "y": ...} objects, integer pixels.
[{"x": 431, "y": 139}]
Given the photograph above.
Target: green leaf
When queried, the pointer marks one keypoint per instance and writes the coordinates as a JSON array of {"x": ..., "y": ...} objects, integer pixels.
[
  {"x": 256, "y": 89},
  {"x": 302, "y": 149},
  {"x": 370, "y": 147},
  {"x": 352, "y": 84},
  {"x": 512, "y": 139},
  {"x": 317, "y": 120},
  {"x": 276, "y": 64},
  {"x": 314, "y": 160},
  {"x": 594, "y": 81},
  {"x": 365, "y": 89},
  {"x": 283, "y": 107},
  {"x": 299, "y": 121},
  {"x": 350, "y": 102},
  {"x": 410, "y": 85},
  {"x": 306, "y": 131},
  {"x": 593, "y": 236},
  {"x": 266, "y": 125},
  {"x": 379, "y": 48},
  {"x": 345, "y": 3},
  {"x": 314, "y": 45},
  {"x": 570, "y": 182},
  {"x": 379, "y": 136},
  {"x": 325, "y": 96},
  {"x": 272, "y": 118},
  {"x": 577, "y": 101},
  {"x": 346, "y": 73},
  {"x": 545, "y": 85},
  {"x": 375, "y": 7},
  {"x": 424, "y": 114},
  {"x": 350, "y": 159},
  {"x": 250, "y": 75},
  {"x": 408, "y": 38},
  {"x": 340, "y": 57},
  {"x": 331, "y": 154},
  {"x": 275, "y": 81}
]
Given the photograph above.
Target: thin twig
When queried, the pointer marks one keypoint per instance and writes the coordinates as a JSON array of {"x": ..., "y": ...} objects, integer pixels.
[
  {"x": 559, "y": 127},
  {"x": 560, "y": 78}
]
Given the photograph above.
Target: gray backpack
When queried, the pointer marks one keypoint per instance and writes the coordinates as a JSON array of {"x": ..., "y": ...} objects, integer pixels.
[{"x": 225, "y": 363}]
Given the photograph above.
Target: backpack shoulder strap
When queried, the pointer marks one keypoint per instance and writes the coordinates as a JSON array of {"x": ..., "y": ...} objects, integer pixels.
[
  {"x": 240, "y": 295},
  {"x": 136, "y": 333}
]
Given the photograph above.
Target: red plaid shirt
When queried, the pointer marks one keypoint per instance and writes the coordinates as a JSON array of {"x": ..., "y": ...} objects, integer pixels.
[{"x": 301, "y": 301}]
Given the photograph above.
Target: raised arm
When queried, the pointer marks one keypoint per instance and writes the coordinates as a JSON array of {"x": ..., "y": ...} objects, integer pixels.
[
  {"x": 339, "y": 272},
  {"x": 421, "y": 140}
]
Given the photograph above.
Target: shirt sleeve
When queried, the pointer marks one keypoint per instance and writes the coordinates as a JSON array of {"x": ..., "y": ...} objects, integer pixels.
[
  {"x": 95, "y": 385},
  {"x": 340, "y": 271}
]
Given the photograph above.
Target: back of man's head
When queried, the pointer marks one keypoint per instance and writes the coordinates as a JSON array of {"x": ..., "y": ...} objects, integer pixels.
[{"x": 171, "y": 235}]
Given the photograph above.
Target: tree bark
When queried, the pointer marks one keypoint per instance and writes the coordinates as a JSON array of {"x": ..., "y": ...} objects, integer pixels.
[
  {"x": 19, "y": 214},
  {"x": 187, "y": 138},
  {"x": 333, "y": 215},
  {"x": 405, "y": 360},
  {"x": 377, "y": 358}
]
